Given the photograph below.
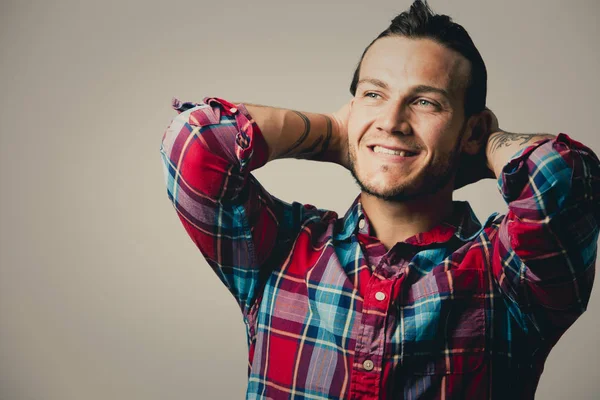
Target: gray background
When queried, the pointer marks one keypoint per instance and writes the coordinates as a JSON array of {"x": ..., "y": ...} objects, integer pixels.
[{"x": 102, "y": 293}]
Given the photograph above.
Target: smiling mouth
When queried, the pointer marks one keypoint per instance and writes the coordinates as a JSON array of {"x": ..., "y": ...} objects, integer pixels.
[{"x": 391, "y": 152}]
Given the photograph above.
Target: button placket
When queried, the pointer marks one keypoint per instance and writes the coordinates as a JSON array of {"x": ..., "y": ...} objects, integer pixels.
[
  {"x": 371, "y": 339},
  {"x": 375, "y": 320}
]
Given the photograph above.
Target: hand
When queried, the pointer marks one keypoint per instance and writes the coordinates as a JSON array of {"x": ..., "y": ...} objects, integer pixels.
[
  {"x": 474, "y": 167},
  {"x": 492, "y": 121},
  {"x": 340, "y": 133}
]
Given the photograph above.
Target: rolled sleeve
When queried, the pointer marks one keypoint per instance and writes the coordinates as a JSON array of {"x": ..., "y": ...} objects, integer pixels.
[
  {"x": 208, "y": 152},
  {"x": 547, "y": 243}
]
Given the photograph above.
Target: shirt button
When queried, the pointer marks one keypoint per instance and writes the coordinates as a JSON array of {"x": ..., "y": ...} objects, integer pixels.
[
  {"x": 361, "y": 223},
  {"x": 368, "y": 365},
  {"x": 380, "y": 296}
]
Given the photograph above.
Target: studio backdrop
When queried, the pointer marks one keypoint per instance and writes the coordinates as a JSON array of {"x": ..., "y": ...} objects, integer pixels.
[{"x": 102, "y": 293}]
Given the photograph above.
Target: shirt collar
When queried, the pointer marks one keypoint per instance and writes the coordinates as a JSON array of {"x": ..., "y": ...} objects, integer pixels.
[{"x": 462, "y": 224}]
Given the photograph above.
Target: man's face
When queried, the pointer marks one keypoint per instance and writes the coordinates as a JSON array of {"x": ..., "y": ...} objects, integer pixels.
[{"x": 404, "y": 138}]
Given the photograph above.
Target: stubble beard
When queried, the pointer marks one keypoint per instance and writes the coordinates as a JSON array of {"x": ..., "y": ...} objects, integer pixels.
[{"x": 434, "y": 177}]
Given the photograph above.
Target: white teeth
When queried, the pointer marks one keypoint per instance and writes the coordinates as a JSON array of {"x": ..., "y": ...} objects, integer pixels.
[{"x": 379, "y": 149}]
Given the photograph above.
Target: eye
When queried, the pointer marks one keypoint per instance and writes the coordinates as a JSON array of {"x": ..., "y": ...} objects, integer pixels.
[
  {"x": 426, "y": 101},
  {"x": 371, "y": 95}
]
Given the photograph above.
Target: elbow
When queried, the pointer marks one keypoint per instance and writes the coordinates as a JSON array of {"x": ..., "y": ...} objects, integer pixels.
[{"x": 168, "y": 149}]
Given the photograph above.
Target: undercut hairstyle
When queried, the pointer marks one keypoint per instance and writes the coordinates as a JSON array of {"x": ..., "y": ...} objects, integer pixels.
[{"x": 419, "y": 22}]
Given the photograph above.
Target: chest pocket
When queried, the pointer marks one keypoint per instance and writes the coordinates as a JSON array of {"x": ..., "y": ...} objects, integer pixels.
[{"x": 441, "y": 322}]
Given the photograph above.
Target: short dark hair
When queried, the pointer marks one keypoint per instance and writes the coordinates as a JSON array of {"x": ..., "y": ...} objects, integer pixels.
[{"x": 420, "y": 22}]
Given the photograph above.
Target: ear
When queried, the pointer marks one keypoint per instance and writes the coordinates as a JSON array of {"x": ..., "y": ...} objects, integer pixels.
[{"x": 476, "y": 133}]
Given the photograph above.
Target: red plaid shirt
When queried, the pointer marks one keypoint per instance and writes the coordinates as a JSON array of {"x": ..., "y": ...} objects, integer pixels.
[{"x": 464, "y": 311}]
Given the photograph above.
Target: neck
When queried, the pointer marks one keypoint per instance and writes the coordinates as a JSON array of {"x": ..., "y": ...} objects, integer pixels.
[{"x": 394, "y": 222}]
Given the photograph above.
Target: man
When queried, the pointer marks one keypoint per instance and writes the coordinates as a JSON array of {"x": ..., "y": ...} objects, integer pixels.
[{"x": 407, "y": 295}]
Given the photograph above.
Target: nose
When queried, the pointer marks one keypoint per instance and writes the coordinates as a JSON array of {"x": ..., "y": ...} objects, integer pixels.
[{"x": 393, "y": 120}]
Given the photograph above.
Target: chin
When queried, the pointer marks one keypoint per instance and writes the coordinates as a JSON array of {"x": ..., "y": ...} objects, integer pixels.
[
  {"x": 386, "y": 190},
  {"x": 397, "y": 194}
]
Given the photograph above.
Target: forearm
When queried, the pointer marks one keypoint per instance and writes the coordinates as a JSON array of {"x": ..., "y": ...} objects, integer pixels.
[
  {"x": 502, "y": 145},
  {"x": 294, "y": 134}
]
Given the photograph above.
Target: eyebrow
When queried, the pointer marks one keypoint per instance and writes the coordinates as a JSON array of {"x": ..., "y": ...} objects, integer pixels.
[{"x": 416, "y": 89}]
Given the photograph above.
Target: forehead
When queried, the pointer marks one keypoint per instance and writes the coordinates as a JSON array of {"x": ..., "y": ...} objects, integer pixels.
[{"x": 404, "y": 62}]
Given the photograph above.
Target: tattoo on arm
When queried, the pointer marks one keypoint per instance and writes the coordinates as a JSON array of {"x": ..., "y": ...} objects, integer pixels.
[
  {"x": 310, "y": 151},
  {"x": 302, "y": 137},
  {"x": 327, "y": 137},
  {"x": 506, "y": 139}
]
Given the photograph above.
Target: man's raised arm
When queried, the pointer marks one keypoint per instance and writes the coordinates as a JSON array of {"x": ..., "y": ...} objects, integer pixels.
[
  {"x": 208, "y": 152},
  {"x": 296, "y": 134},
  {"x": 544, "y": 252}
]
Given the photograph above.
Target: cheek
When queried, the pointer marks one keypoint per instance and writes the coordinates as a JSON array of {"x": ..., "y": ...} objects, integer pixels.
[
  {"x": 437, "y": 135},
  {"x": 354, "y": 130},
  {"x": 358, "y": 123}
]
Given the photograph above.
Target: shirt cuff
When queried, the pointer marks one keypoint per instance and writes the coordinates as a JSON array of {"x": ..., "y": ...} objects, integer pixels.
[
  {"x": 515, "y": 174},
  {"x": 251, "y": 148}
]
